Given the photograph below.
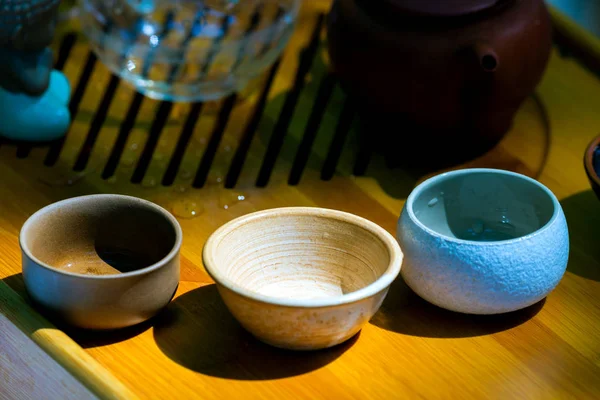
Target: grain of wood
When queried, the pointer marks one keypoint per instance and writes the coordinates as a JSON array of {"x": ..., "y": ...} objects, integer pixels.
[
  {"x": 17, "y": 316},
  {"x": 26, "y": 371}
]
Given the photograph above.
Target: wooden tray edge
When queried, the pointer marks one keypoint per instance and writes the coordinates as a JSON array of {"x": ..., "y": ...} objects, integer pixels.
[{"x": 61, "y": 348}]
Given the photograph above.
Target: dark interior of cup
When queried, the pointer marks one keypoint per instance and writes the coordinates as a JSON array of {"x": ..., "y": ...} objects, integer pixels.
[
  {"x": 483, "y": 206},
  {"x": 101, "y": 236}
]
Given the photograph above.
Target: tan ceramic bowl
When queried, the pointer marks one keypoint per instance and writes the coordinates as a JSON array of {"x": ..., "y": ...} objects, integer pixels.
[
  {"x": 302, "y": 278},
  {"x": 102, "y": 261}
]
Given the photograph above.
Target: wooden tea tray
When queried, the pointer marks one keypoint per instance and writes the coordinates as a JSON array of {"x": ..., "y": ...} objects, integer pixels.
[{"x": 301, "y": 131}]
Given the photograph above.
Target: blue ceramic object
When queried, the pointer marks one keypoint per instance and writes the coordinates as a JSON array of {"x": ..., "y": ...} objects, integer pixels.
[
  {"x": 36, "y": 118},
  {"x": 33, "y": 98},
  {"x": 483, "y": 241}
]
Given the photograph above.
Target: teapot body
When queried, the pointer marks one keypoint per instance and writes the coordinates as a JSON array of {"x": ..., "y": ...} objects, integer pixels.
[{"x": 462, "y": 75}]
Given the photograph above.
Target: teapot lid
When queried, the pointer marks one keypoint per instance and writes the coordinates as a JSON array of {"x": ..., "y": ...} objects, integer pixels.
[{"x": 438, "y": 8}]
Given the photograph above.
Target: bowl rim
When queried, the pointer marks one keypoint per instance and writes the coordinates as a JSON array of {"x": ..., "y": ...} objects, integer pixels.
[
  {"x": 381, "y": 283},
  {"x": 105, "y": 197},
  {"x": 588, "y": 158},
  {"x": 435, "y": 179}
]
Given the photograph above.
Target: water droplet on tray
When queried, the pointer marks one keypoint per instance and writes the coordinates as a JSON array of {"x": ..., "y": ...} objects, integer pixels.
[
  {"x": 180, "y": 189},
  {"x": 128, "y": 160},
  {"x": 150, "y": 182},
  {"x": 227, "y": 199},
  {"x": 185, "y": 174},
  {"x": 215, "y": 177},
  {"x": 186, "y": 209},
  {"x": 433, "y": 202}
]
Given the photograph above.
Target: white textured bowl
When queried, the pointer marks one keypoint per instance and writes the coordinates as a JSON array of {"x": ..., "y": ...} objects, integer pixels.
[
  {"x": 302, "y": 278},
  {"x": 483, "y": 241}
]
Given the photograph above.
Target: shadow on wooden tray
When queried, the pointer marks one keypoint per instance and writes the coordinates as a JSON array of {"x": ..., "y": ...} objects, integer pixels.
[
  {"x": 198, "y": 332},
  {"x": 85, "y": 338},
  {"x": 403, "y": 311},
  {"x": 312, "y": 124},
  {"x": 582, "y": 211}
]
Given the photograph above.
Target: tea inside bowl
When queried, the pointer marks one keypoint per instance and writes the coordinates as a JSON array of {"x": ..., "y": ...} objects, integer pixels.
[
  {"x": 483, "y": 206},
  {"x": 96, "y": 237},
  {"x": 301, "y": 256}
]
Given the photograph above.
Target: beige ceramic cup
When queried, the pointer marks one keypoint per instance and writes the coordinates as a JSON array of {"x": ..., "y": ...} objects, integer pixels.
[
  {"x": 302, "y": 278},
  {"x": 70, "y": 250}
]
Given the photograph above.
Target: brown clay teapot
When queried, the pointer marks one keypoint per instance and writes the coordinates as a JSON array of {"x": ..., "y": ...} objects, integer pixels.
[{"x": 455, "y": 70}]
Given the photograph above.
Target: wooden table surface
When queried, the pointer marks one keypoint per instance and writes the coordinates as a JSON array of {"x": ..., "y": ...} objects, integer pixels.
[{"x": 195, "y": 349}]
